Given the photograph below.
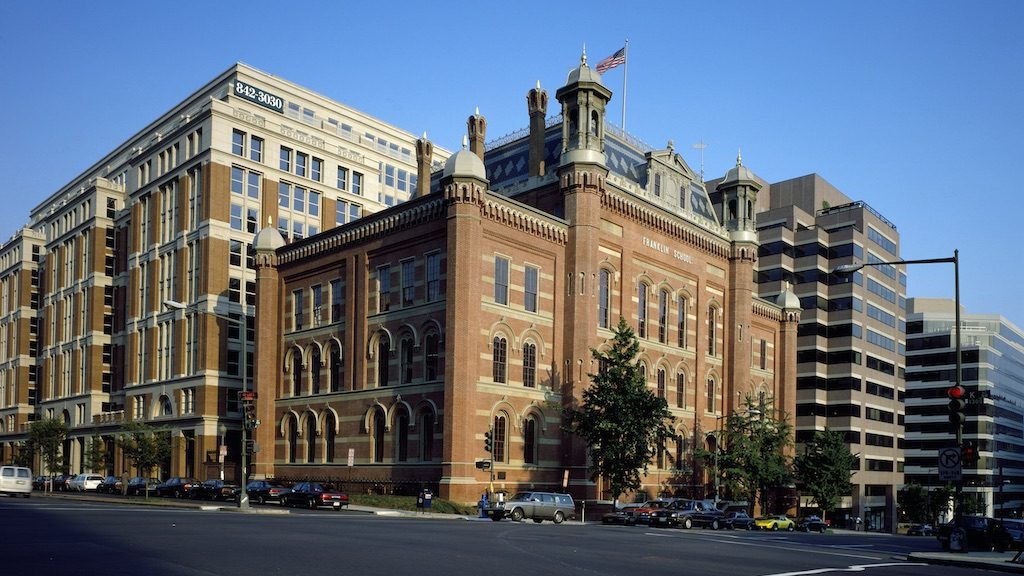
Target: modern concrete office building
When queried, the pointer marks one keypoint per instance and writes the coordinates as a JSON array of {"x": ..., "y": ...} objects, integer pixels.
[
  {"x": 850, "y": 339},
  {"x": 992, "y": 359},
  {"x": 168, "y": 216}
]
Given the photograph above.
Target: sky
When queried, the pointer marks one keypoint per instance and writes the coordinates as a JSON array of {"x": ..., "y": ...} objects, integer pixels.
[{"x": 912, "y": 106}]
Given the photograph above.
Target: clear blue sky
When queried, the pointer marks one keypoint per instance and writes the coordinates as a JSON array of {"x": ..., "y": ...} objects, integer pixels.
[{"x": 914, "y": 107}]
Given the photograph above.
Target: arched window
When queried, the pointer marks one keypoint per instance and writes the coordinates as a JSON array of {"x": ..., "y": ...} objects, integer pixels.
[
  {"x": 663, "y": 316},
  {"x": 680, "y": 450},
  {"x": 530, "y": 365},
  {"x": 329, "y": 436},
  {"x": 641, "y": 310},
  {"x": 406, "y": 360},
  {"x": 314, "y": 370},
  {"x": 383, "y": 357},
  {"x": 680, "y": 390},
  {"x": 427, "y": 436},
  {"x": 712, "y": 315},
  {"x": 711, "y": 395},
  {"x": 530, "y": 440},
  {"x": 402, "y": 437},
  {"x": 682, "y": 306},
  {"x": 310, "y": 438},
  {"x": 377, "y": 426},
  {"x": 500, "y": 437},
  {"x": 500, "y": 359},
  {"x": 296, "y": 373},
  {"x": 166, "y": 408},
  {"x": 661, "y": 383},
  {"x": 603, "y": 297},
  {"x": 430, "y": 364},
  {"x": 337, "y": 369},
  {"x": 291, "y": 431}
]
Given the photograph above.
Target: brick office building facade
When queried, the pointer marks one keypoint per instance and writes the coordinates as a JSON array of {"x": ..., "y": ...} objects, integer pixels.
[{"x": 474, "y": 306}]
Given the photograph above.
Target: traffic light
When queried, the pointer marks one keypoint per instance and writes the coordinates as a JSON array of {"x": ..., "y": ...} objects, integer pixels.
[
  {"x": 488, "y": 444},
  {"x": 249, "y": 414},
  {"x": 968, "y": 455},
  {"x": 957, "y": 402}
]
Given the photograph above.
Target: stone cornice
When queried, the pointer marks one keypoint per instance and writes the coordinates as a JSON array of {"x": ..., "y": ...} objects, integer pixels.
[
  {"x": 766, "y": 309},
  {"x": 655, "y": 220}
]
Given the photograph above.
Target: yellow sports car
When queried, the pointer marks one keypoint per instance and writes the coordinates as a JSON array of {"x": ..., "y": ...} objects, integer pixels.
[{"x": 776, "y": 523}]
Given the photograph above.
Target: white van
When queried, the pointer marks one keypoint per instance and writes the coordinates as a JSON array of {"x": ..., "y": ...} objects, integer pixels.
[{"x": 15, "y": 480}]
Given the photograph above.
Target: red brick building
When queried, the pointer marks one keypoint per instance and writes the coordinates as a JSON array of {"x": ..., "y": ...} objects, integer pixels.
[{"x": 387, "y": 347}]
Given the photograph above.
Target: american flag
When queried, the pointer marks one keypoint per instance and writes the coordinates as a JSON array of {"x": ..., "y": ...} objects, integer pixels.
[{"x": 617, "y": 59}]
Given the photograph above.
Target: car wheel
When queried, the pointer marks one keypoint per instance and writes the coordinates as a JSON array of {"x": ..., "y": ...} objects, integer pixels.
[
  {"x": 261, "y": 499},
  {"x": 790, "y": 528},
  {"x": 821, "y": 530},
  {"x": 775, "y": 527},
  {"x": 750, "y": 526},
  {"x": 517, "y": 514},
  {"x": 715, "y": 525},
  {"x": 559, "y": 517},
  {"x": 687, "y": 523},
  {"x": 311, "y": 504}
]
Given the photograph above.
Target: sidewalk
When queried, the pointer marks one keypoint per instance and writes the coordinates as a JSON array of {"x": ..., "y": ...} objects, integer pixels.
[{"x": 1000, "y": 561}]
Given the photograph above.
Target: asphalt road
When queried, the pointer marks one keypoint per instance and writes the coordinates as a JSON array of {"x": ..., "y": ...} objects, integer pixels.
[{"x": 49, "y": 536}]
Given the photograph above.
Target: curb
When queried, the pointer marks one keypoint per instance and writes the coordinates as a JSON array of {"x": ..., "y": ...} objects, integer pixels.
[{"x": 967, "y": 562}]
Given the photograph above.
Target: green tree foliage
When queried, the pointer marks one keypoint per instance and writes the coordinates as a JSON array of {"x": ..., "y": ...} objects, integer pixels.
[
  {"x": 620, "y": 418},
  {"x": 751, "y": 452},
  {"x": 47, "y": 436},
  {"x": 921, "y": 504},
  {"x": 825, "y": 468},
  {"x": 146, "y": 447},
  {"x": 95, "y": 455}
]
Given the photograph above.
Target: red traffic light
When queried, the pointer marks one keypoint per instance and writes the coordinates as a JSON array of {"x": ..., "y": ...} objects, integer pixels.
[{"x": 956, "y": 392}]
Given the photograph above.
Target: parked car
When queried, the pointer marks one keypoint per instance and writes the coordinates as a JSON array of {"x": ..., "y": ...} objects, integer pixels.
[
  {"x": 921, "y": 530},
  {"x": 40, "y": 482},
  {"x": 775, "y": 523},
  {"x": 15, "y": 480},
  {"x": 139, "y": 486},
  {"x": 1015, "y": 528},
  {"x": 624, "y": 515},
  {"x": 812, "y": 524},
  {"x": 85, "y": 482},
  {"x": 538, "y": 506},
  {"x": 642, "y": 513},
  {"x": 687, "y": 514},
  {"x": 313, "y": 495},
  {"x": 981, "y": 533},
  {"x": 60, "y": 483},
  {"x": 109, "y": 485},
  {"x": 739, "y": 520},
  {"x": 176, "y": 487},
  {"x": 263, "y": 491},
  {"x": 214, "y": 490}
]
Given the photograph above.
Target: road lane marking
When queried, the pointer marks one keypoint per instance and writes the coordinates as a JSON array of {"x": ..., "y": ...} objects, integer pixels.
[
  {"x": 743, "y": 542},
  {"x": 854, "y": 568}
]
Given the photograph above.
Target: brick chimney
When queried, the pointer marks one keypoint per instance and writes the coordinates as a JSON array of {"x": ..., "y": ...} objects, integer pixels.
[
  {"x": 537, "y": 103},
  {"x": 424, "y": 156},
  {"x": 477, "y": 125}
]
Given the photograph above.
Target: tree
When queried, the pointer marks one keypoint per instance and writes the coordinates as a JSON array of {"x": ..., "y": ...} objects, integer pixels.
[
  {"x": 620, "y": 418},
  {"x": 47, "y": 436},
  {"x": 751, "y": 450},
  {"x": 95, "y": 455},
  {"x": 145, "y": 446},
  {"x": 825, "y": 468}
]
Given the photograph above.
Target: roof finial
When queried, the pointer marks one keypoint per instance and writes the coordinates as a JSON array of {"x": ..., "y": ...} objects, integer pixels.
[
  {"x": 739, "y": 157},
  {"x": 424, "y": 135},
  {"x": 465, "y": 141},
  {"x": 538, "y": 84},
  {"x": 583, "y": 58},
  {"x": 476, "y": 112}
]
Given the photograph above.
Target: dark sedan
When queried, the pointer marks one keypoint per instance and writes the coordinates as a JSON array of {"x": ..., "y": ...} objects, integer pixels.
[
  {"x": 139, "y": 486},
  {"x": 110, "y": 485},
  {"x": 214, "y": 490},
  {"x": 313, "y": 495},
  {"x": 739, "y": 520},
  {"x": 921, "y": 530},
  {"x": 176, "y": 487},
  {"x": 263, "y": 491},
  {"x": 812, "y": 524}
]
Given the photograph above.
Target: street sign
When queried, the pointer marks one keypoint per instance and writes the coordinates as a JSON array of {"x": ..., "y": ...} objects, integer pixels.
[{"x": 949, "y": 464}]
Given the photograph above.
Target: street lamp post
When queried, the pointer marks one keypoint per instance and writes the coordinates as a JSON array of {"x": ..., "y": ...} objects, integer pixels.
[
  {"x": 718, "y": 445},
  {"x": 955, "y": 260},
  {"x": 243, "y": 497}
]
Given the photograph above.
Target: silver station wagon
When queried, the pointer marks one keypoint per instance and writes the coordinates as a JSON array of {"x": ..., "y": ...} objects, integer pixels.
[{"x": 540, "y": 506}]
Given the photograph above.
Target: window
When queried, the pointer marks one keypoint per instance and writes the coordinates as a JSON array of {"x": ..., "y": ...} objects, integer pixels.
[
  {"x": 238, "y": 143},
  {"x": 342, "y": 178},
  {"x": 383, "y": 288},
  {"x": 297, "y": 309},
  {"x": 680, "y": 390},
  {"x": 681, "y": 304},
  {"x": 286, "y": 159},
  {"x": 641, "y": 312},
  {"x": 710, "y": 395},
  {"x": 712, "y": 317},
  {"x": 500, "y": 359},
  {"x": 318, "y": 303},
  {"x": 408, "y": 282},
  {"x": 329, "y": 437},
  {"x": 378, "y": 435},
  {"x": 427, "y": 436},
  {"x": 603, "y": 297},
  {"x": 433, "y": 277},
  {"x": 530, "y": 365},
  {"x": 256, "y": 149},
  {"x": 357, "y": 183},
  {"x": 764, "y": 354},
  {"x": 430, "y": 356},
  {"x": 383, "y": 358},
  {"x": 301, "y": 163},
  {"x": 530, "y": 440},
  {"x": 406, "y": 360},
  {"x": 316, "y": 168},
  {"x": 402, "y": 437},
  {"x": 663, "y": 316},
  {"x": 530, "y": 286},
  {"x": 500, "y": 280},
  {"x": 337, "y": 298},
  {"x": 657, "y": 185},
  {"x": 661, "y": 383},
  {"x": 500, "y": 436},
  {"x": 314, "y": 370},
  {"x": 292, "y": 434},
  {"x": 337, "y": 369}
]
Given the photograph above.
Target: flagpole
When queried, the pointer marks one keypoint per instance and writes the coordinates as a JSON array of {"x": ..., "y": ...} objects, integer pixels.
[{"x": 625, "y": 72}]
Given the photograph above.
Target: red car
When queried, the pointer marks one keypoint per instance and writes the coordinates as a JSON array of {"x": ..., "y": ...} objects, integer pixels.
[
  {"x": 313, "y": 495},
  {"x": 642, "y": 513}
]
